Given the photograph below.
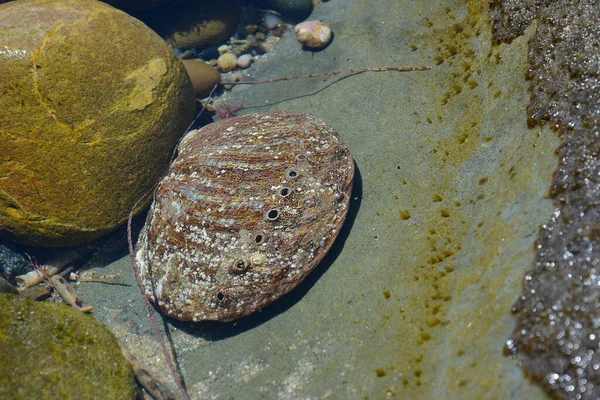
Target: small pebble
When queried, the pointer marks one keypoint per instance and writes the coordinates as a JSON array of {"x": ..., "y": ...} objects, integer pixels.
[
  {"x": 225, "y": 78},
  {"x": 260, "y": 36},
  {"x": 251, "y": 28},
  {"x": 244, "y": 60},
  {"x": 227, "y": 62},
  {"x": 271, "y": 20},
  {"x": 279, "y": 30},
  {"x": 203, "y": 77},
  {"x": 313, "y": 34},
  {"x": 224, "y": 49}
]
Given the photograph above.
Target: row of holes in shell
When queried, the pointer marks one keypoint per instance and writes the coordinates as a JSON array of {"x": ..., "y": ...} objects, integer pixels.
[
  {"x": 274, "y": 213},
  {"x": 240, "y": 265}
]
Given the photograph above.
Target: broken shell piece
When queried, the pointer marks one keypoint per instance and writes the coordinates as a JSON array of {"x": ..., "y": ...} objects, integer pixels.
[
  {"x": 313, "y": 34},
  {"x": 68, "y": 294},
  {"x": 53, "y": 267}
]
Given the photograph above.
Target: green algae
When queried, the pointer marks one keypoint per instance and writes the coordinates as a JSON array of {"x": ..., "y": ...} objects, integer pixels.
[
  {"x": 87, "y": 124},
  {"x": 52, "y": 351}
]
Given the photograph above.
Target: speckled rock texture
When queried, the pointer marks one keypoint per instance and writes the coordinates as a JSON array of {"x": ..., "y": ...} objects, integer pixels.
[
  {"x": 52, "y": 351},
  {"x": 249, "y": 207},
  {"x": 12, "y": 262},
  {"x": 556, "y": 338},
  {"x": 92, "y": 103},
  {"x": 194, "y": 23}
]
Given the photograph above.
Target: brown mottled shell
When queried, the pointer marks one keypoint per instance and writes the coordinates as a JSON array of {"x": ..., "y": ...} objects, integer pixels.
[{"x": 249, "y": 207}]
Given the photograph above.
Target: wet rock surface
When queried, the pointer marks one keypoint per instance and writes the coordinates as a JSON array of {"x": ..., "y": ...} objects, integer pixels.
[
  {"x": 91, "y": 103},
  {"x": 52, "y": 351},
  {"x": 191, "y": 24},
  {"x": 557, "y": 338},
  {"x": 450, "y": 191}
]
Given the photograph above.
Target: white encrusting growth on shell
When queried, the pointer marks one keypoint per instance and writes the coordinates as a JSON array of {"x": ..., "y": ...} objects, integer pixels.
[{"x": 222, "y": 239}]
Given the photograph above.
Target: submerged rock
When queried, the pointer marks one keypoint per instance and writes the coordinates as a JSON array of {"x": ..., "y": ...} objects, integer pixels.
[
  {"x": 195, "y": 23},
  {"x": 52, "y": 351},
  {"x": 92, "y": 103},
  {"x": 12, "y": 262},
  {"x": 556, "y": 338},
  {"x": 294, "y": 10},
  {"x": 203, "y": 76}
]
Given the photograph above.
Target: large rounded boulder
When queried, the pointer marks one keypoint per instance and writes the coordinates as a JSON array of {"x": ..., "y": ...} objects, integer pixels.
[{"x": 92, "y": 103}]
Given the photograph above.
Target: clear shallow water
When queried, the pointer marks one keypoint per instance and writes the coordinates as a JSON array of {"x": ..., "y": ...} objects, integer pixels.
[{"x": 415, "y": 297}]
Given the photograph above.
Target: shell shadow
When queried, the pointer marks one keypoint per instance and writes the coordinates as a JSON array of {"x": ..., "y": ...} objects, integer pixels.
[{"x": 214, "y": 331}]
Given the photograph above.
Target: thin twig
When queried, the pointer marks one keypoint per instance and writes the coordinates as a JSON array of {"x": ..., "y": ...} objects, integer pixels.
[
  {"x": 136, "y": 270},
  {"x": 145, "y": 378},
  {"x": 346, "y": 72},
  {"x": 150, "y": 309}
]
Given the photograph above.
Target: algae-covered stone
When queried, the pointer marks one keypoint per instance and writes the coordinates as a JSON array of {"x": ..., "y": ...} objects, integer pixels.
[
  {"x": 52, "y": 351},
  {"x": 92, "y": 103},
  {"x": 195, "y": 23}
]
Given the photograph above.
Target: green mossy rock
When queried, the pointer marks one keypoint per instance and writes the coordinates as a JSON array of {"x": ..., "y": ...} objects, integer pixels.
[
  {"x": 92, "y": 103},
  {"x": 52, "y": 351}
]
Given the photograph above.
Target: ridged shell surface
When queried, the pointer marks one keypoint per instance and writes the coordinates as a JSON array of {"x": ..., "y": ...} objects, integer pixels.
[{"x": 249, "y": 207}]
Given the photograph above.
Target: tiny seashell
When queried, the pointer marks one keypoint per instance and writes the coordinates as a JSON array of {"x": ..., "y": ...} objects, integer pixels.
[{"x": 313, "y": 34}]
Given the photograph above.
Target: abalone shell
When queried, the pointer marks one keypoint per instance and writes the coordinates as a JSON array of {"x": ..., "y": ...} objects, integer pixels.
[{"x": 249, "y": 207}]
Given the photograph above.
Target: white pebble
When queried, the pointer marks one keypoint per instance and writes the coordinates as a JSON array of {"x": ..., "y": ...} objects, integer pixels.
[
  {"x": 244, "y": 60},
  {"x": 271, "y": 20}
]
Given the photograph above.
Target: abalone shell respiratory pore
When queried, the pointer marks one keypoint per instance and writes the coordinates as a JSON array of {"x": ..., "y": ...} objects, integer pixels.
[{"x": 249, "y": 207}]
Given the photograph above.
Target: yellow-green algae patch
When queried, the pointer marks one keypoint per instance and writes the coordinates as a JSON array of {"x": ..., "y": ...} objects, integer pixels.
[
  {"x": 456, "y": 289},
  {"x": 451, "y": 279},
  {"x": 52, "y": 351},
  {"x": 92, "y": 103}
]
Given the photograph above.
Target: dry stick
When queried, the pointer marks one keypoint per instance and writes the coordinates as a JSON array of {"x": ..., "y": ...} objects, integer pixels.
[
  {"x": 138, "y": 278},
  {"x": 346, "y": 72}
]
